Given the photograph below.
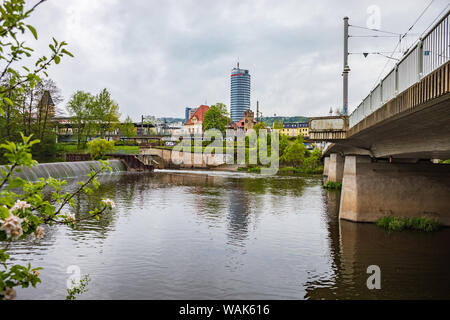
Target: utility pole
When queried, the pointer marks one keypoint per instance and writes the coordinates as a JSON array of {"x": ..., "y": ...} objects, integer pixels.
[
  {"x": 257, "y": 110},
  {"x": 346, "y": 69}
]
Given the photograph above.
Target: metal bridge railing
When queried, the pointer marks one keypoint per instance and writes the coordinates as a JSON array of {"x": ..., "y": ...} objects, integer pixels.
[{"x": 431, "y": 52}]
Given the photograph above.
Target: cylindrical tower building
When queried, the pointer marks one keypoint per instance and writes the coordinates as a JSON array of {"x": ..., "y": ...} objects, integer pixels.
[{"x": 240, "y": 93}]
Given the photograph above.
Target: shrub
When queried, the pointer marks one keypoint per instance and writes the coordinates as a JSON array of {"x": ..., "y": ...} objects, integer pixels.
[
  {"x": 401, "y": 223},
  {"x": 99, "y": 147},
  {"x": 332, "y": 185}
]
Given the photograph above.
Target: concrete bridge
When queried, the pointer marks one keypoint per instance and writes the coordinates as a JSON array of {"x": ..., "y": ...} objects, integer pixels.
[{"x": 385, "y": 151}]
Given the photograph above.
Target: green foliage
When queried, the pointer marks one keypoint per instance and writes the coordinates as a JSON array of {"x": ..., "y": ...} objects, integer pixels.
[
  {"x": 13, "y": 49},
  {"x": 92, "y": 115},
  {"x": 425, "y": 224},
  {"x": 78, "y": 289},
  {"x": 106, "y": 113},
  {"x": 127, "y": 128},
  {"x": 99, "y": 147},
  {"x": 270, "y": 120},
  {"x": 259, "y": 126},
  {"x": 278, "y": 124},
  {"x": 23, "y": 214},
  {"x": 332, "y": 185},
  {"x": 284, "y": 143},
  {"x": 254, "y": 169},
  {"x": 81, "y": 107},
  {"x": 294, "y": 154},
  {"x": 216, "y": 118}
]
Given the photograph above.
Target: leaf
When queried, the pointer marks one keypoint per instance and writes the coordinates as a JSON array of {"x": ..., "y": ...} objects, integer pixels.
[
  {"x": 67, "y": 52},
  {"x": 9, "y": 101},
  {"x": 33, "y": 31},
  {"x": 57, "y": 59}
]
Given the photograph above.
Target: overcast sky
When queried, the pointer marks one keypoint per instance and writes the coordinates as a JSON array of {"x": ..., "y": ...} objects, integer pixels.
[{"x": 158, "y": 57}]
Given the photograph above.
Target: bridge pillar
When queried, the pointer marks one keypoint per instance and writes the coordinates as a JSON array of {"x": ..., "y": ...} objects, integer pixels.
[
  {"x": 326, "y": 163},
  {"x": 335, "y": 168},
  {"x": 372, "y": 190}
]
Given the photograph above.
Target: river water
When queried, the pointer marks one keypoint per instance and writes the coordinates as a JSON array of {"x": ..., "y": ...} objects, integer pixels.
[{"x": 217, "y": 235}]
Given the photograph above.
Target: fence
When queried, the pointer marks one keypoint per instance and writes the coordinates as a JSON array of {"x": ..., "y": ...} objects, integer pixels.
[{"x": 431, "y": 52}]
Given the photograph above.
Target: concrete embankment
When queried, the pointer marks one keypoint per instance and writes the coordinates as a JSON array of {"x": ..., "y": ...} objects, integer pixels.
[{"x": 168, "y": 159}]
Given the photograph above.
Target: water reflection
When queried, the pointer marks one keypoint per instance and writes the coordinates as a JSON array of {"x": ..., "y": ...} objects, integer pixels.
[
  {"x": 197, "y": 235},
  {"x": 238, "y": 215},
  {"x": 413, "y": 265}
]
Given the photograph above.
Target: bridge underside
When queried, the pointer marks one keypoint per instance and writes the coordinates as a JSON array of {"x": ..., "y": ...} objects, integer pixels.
[{"x": 419, "y": 133}]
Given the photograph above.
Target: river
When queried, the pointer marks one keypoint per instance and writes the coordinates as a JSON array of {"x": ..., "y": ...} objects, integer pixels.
[{"x": 218, "y": 235}]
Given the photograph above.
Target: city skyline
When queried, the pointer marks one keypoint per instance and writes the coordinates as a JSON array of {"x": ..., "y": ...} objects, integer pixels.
[{"x": 160, "y": 63}]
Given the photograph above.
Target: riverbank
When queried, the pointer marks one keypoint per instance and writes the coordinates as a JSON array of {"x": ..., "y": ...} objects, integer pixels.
[{"x": 283, "y": 171}]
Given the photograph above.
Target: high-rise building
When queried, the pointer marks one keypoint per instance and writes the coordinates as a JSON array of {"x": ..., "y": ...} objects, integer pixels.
[{"x": 240, "y": 93}]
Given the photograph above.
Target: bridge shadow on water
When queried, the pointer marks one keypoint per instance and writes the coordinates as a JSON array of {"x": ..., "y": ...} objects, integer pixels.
[{"x": 414, "y": 265}]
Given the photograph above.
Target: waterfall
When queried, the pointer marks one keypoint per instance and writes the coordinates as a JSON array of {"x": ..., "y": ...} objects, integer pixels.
[{"x": 64, "y": 169}]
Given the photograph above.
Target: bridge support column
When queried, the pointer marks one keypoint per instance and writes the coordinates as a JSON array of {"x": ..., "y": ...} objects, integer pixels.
[
  {"x": 372, "y": 190},
  {"x": 326, "y": 163},
  {"x": 335, "y": 168}
]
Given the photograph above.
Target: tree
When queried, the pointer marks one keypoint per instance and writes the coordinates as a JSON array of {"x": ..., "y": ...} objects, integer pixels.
[
  {"x": 13, "y": 14},
  {"x": 216, "y": 118},
  {"x": 47, "y": 106},
  {"x": 24, "y": 213},
  {"x": 98, "y": 148},
  {"x": 81, "y": 106},
  {"x": 284, "y": 143},
  {"x": 278, "y": 124},
  {"x": 259, "y": 126},
  {"x": 312, "y": 161},
  {"x": 295, "y": 153},
  {"x": 106, "y": 111},
  {"x": 127, "y": 128},
  {"x": 42, "y": 124}
]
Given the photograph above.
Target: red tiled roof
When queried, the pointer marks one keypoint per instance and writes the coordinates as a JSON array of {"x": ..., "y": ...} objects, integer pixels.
[
  {"x": 241, "y": 123},
  {"x": 199, "y": 114}
]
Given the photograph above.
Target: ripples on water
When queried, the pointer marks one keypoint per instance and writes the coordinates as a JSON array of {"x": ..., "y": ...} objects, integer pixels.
[{"x": 220, "y": 235}]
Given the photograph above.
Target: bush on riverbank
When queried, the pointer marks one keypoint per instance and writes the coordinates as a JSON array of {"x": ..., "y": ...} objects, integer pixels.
[
  {"x": 98, "y": 148},
  {"x": 330, "y": 185},
  {"x": 425, "y": 224}
]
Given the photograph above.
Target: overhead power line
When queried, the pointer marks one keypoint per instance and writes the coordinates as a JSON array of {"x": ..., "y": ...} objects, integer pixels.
[
  {"x": 377, "y": 30},
  {"x": 400, "y": 39},
  {"x": 371, "y": 36}
]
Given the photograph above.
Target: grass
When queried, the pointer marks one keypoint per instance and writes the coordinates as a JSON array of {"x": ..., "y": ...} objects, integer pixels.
[
  {"x": 72, "y": 148},
  {"x": 425, "y": 224},
  {"x": 332, "y": 185}
]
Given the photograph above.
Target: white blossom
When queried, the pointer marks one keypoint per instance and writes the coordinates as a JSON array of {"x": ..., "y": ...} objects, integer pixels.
[
  {"x": 109, "y": 203},
  {"x": 12, "y": 226},
  {"x": 20, "y": 205},
  {"x": 39, "y": 233},
  {"x": 10, "y": 294},
  {"x": 70, "y": 217}
]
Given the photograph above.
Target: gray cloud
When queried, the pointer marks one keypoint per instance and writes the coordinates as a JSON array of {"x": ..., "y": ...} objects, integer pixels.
[{"x": 157, "y": 57}]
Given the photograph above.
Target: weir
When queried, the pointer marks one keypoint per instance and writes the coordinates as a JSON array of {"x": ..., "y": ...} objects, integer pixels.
[{"x": 64, "y": 169}]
